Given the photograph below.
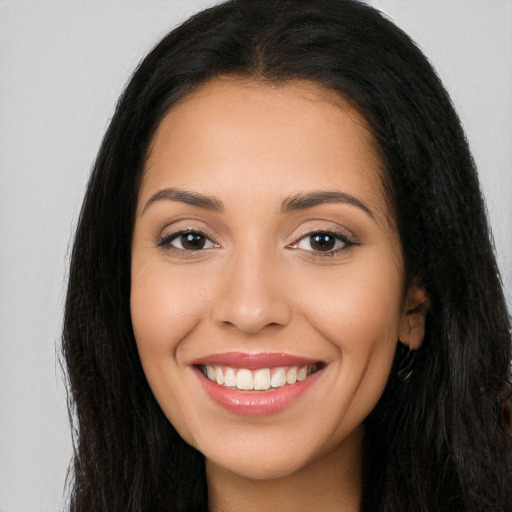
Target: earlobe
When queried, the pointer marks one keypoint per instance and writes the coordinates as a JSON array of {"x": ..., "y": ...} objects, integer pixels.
[{"x": 412, "y": 326}]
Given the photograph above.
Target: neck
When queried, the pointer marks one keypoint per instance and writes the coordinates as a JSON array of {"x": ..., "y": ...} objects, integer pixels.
[{"x": 332, "y": 483}]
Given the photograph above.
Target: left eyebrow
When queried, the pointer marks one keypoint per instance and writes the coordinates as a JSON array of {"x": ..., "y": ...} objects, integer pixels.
[
  {"x": 309, "y": 199},
  {"x": 187, "y": 197}
]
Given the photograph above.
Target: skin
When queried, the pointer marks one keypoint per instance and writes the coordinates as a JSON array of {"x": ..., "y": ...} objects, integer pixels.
[{"x": 261, "y": 286}]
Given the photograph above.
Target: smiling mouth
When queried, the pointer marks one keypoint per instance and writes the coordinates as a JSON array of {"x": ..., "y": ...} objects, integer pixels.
[
  {"x": 261, "y": 379},
  {"x": 256, "y": 384}
]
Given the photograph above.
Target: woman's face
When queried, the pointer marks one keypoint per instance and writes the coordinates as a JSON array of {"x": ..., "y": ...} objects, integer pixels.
[{"x": 267, "y": 280}]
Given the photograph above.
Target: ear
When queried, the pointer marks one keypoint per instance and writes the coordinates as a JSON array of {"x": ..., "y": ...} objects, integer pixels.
[{"x": 412, "y": 325}]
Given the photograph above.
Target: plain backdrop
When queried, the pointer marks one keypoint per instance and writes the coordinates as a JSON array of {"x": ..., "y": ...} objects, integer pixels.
[{"x": 62, "y": 66}]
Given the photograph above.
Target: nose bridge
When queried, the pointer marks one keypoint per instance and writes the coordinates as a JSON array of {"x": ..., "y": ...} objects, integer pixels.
[{"x": 254, "y": 294}]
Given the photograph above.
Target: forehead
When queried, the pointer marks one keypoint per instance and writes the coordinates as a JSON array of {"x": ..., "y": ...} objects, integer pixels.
[{"x": 293, "y": 134}]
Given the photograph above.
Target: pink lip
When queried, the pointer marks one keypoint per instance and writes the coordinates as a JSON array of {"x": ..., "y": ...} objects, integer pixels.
[
  {"x": 253, "y": 361},
  {"x": 254, "y": 403}
]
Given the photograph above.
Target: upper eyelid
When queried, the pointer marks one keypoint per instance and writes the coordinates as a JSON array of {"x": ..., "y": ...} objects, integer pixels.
[
  {"x": 327, "y": 224},
  {"x": 189, "y": 229}
]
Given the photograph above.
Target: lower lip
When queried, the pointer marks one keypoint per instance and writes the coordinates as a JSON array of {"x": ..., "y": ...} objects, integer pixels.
[{"x": 256, "y": 403}]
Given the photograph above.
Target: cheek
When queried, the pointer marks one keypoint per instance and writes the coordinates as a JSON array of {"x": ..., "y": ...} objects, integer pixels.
[
  {"x": 358, "y": 313},
  {"x": 164, "y": 310},
  {"x": 363, "y": 302},
  {"x": 163, "y": 307},
  {"x": 150, "y": 311}
]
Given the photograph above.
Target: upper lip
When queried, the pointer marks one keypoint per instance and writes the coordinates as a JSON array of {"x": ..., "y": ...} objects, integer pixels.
[{"x": 252, "y": 360}]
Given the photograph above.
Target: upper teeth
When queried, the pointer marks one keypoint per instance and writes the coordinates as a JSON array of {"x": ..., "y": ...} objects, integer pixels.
[{"x": 259, "y": 380}]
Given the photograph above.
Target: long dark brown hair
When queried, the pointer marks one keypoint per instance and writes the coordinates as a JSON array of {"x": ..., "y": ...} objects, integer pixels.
[{"x": 433, "y": 443}]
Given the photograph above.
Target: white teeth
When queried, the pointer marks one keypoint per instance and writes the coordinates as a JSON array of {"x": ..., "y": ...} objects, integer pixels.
[
  {"x": 279, "y": 378},
  {"x": 219, "y": 375},
  {"x": 230, "y": 378},
  {"x": 302, "y": 373},
  {"x": 259, "y": 380},
  {"x": 244, "y": 379},
  {"x": 291, "y": 375}
]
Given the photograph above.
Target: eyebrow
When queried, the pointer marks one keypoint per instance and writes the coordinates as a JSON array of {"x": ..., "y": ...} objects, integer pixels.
[
  {"x": 185, "y": 196},
  {"x": 293, "y": 203},
  {"x": 310, "y": 199}
]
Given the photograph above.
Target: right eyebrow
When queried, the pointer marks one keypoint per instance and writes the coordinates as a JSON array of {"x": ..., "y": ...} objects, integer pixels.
[
  {"x": 305, "y": 200},
  {"x": 185, "y": 196}
]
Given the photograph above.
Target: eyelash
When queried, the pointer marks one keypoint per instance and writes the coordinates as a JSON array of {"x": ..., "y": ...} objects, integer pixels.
[
  {"x": 166, "y": 242},
  {"x": 337, "y": 237}
]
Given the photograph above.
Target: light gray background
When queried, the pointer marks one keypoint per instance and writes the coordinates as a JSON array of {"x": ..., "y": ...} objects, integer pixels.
[{"x": 62, "y": 66}]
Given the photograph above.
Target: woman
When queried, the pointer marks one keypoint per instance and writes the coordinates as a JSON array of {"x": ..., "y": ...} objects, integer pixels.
[{"x": 282, "y": 289}]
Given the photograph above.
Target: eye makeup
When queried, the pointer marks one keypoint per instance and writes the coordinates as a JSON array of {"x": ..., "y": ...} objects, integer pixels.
[{"x": 187, "y": 240}]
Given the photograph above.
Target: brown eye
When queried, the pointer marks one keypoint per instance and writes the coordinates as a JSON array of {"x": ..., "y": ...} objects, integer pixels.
[
  {"x": 186, "y": 241},
  {"x": 192, "y": 241},
  {"x": 324, "y": 242}
]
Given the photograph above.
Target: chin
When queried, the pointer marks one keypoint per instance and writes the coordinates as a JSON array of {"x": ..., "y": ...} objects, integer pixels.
[{"x": 260, "y": 468}]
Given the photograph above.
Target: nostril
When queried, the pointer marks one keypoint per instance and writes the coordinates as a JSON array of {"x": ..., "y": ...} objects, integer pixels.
[{"x": 252, "y": 318}]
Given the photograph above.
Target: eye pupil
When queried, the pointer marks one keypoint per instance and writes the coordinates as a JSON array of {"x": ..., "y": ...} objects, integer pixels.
[
  {"x": 192, "y": 241},
  {"x": 322, "y": 241}
]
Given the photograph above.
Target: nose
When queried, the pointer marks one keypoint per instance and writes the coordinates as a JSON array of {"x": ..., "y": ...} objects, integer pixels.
[{"x": 254, "y": 295}]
